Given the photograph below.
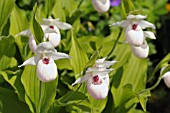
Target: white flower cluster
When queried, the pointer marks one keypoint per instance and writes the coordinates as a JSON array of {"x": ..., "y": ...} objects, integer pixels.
[
  {"x": 134, "y": 34},
  {"x": 97, "y": 79},
  {"x": 45, "y": 52}
]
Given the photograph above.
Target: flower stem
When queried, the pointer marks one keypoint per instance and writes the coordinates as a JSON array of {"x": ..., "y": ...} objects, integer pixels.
[
  {"x": 165, "y": 60},
  {"x": 118, "y": 37},
  {"x": 71, "y": 95},
  {"x": 80, "y": 4}
]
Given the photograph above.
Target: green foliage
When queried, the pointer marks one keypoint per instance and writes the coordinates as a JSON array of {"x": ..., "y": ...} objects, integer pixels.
[
  {"x": 91, "y": 38},
  {"x": 5, "y": 10},
  {"x": 78, "y": 54},
  {"x": 36, "y": 28},
  {"x": 45, "y": 92},
  {"x": 9, "y": 102}
]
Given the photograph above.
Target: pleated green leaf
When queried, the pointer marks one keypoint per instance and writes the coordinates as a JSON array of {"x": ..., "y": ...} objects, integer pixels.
[
  {"x": 39, "y": 95},
  {"x": 79, "y": 57},
  {"x": 7, "y": 51},
  {"x": 36, "y": 28},
  {"x": 48, "y": 7},
  {"x": 6, "y": 7},
  {"x": 130, "y": 70},
  {"x": 18, "y": 21}
]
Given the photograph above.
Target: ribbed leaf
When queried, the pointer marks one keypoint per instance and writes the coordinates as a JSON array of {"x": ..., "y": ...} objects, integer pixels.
[
  {"x": 79, "y": 57},
  {"x": 131, "y": 70},
  {"x": 6, "y": 7},
  {"x": 7, "y": 52},
  {"x": 48, "y": 7},
  {"x": 18, "y": 21},
  {"x": 39, "y": 95},
  {"x": 36, "y": 28}
]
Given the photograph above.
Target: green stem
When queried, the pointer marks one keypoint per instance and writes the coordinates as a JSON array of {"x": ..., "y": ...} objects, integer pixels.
[
  {"x": 118, "y": 37},
  {"x": 80, "y": 4},
  {"x": 71, "y": 95},
  {"x": 153, "y": 87},
  {"x": 40, "y": 98},
  {"x": 166, "y": 59}
]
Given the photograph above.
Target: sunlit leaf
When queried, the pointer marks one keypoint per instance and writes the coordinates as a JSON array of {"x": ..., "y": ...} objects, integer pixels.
[
  {"x": 6, "y": 7},
  {"x": 39, "y": 95},
  {"x": 18, "y": 21},
  {"x": 48, "y": 7},
  {"x": 7, "y": 53},
  {"x": 36, "y": 28},
  {"x": 58, "y": 11},
  {"x": 79, "y": 57}
]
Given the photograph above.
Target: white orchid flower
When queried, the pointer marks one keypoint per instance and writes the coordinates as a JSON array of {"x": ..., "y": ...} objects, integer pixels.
[
  {"x": 51, "y": 30},
  {"x": 166, "y": 77},
  {"x": 134, "y": 25},
  {"x": 101, "y": 5},
  {"x": 45, "y": 55},
  {"x": 97, "y": 79}
]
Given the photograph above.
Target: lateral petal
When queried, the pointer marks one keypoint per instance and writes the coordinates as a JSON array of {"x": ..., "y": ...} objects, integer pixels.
[
  {"x": 149, "y": 34},
  {"x": 82, "y": 79},
  {"x": 62, "y": 25},
  {"x": 25, "y": 33},
  {"x": 145, "y": 24},
  {"x": 29, "y": 61},
  {"x": 57, "y": 55},
  {"x": 123, "y": 23}
]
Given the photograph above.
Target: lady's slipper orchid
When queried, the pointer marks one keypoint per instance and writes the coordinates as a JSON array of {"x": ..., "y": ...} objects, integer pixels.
[
  {"x": 166, "y": 77},
  {"x": 45, "y": 55},
  {"x": 51, "y": 30},
  {"x": 97, "y": 79},
  {"x": 134, "y": 26},
  {"x": 101, "y": 5}
]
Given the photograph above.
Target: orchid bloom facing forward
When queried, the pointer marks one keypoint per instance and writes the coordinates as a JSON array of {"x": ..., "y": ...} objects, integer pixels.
[
  {"x": 97, "y": 79},
  {"x": 51, "y": 30},
  {"x": 44, "y": 60},
  {"x": 101, "y": 5},
  {"x": 134, "y": 26},
  {"x": 134, "y": 34}
]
